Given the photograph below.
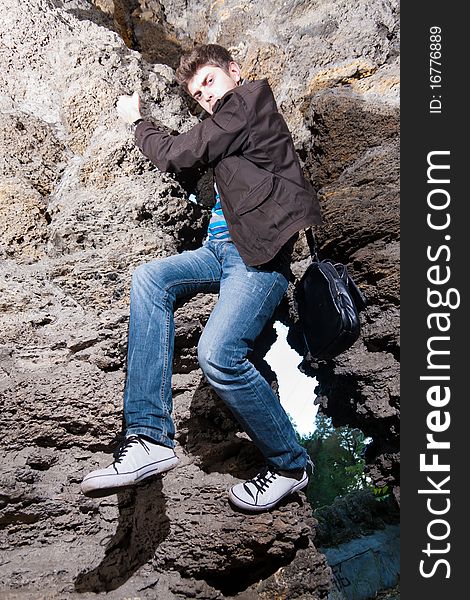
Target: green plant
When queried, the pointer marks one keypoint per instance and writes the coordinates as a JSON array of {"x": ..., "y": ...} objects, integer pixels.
[{"x": 337, "y": 456}]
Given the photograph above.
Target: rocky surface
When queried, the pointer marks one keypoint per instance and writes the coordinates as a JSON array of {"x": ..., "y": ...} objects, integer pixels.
[{"x": 80, "y": 208}]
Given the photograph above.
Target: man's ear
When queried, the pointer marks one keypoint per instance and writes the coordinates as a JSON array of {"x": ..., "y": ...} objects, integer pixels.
[{"x": 235, "y": 71}]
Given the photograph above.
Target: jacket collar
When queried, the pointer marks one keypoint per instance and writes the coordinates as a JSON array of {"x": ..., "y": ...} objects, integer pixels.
[{"x": 218, "y": 104}]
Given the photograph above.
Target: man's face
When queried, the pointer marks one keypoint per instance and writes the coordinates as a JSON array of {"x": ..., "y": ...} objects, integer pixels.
[{"x": 210, "y": 83}]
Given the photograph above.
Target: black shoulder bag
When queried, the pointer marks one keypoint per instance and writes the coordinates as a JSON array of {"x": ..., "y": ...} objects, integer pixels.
[{"x": 328, "y": 303}]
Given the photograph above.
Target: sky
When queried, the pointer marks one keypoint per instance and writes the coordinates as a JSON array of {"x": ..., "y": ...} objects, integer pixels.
[{"x": 295, "y": 388}]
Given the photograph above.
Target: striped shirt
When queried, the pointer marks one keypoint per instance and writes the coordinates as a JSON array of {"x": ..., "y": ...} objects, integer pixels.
[{"x": 217, "y": 228}]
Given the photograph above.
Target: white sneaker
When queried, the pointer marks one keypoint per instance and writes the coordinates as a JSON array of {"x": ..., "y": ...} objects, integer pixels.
[
  {"x": 135, "y": 459},
  {"x": 266, "y": 490}
]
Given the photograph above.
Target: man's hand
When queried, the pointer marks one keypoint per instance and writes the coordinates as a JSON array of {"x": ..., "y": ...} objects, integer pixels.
[{"x": 128, "y": 108}]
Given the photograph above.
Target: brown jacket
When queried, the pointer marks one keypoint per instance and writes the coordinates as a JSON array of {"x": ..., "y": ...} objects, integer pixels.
[{"x": 265, "y": 197}]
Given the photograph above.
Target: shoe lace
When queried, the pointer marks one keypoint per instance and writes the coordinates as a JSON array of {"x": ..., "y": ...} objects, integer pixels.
[
  {"x": 263, "y": 479},
  {"x": 120, "y": 452}
]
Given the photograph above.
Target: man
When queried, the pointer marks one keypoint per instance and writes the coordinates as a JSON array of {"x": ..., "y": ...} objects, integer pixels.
[{"x": 262, "y": 202}]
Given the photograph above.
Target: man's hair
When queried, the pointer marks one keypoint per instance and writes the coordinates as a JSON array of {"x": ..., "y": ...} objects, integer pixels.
[{"x": 200, "y": 56}]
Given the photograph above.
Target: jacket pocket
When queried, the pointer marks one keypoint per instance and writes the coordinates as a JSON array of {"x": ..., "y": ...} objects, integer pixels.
[
  {"x": 228, "y": 167},
  {"x": 256, "y": 195}
]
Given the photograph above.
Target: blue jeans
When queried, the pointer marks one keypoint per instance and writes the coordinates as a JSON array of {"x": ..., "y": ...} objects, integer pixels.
[{"x": 248, "y": 297}]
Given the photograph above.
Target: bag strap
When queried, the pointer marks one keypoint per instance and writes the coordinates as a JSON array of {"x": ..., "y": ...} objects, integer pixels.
[{"x": 312, "y": 245}]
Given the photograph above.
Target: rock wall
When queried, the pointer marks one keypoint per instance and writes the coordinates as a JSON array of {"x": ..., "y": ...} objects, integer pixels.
[{"x": 80, "y": 208}]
